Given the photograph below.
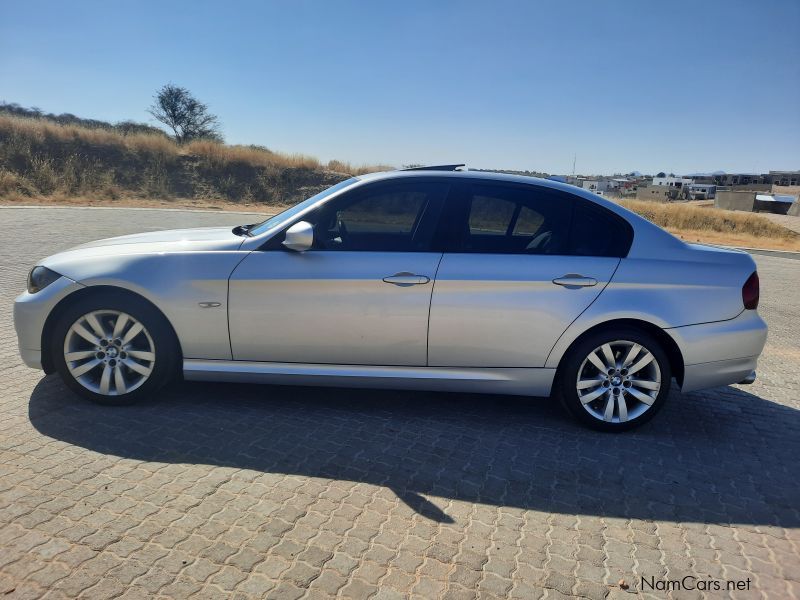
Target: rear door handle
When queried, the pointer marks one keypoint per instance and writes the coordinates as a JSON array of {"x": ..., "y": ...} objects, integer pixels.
[
  {"x": 405, "y": 279},
  {"x": 575, "y": 280}
]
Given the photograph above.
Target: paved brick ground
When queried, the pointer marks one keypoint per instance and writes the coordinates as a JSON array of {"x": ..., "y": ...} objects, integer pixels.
[{"x": 219, "y": 491}]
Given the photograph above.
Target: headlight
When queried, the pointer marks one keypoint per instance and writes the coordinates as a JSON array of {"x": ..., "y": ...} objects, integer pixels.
[{"x": 39, "y": 278}]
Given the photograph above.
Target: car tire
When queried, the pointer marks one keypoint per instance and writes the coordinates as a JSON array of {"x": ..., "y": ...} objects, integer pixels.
[
  {"x": 120, "y": 367},
  {"x": 616, "y": 398}
]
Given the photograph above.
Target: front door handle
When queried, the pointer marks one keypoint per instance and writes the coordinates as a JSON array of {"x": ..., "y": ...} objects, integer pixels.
[
  {"x": 405, "y": 279},
  {"x": 575, "y": 280}
]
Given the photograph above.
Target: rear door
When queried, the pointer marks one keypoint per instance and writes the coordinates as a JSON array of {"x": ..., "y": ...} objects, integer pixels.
[{"x": 521, "y": 262}]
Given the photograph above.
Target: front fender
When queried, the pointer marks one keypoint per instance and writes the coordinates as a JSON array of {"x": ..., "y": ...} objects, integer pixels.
[{"x": 177, "y": 284}]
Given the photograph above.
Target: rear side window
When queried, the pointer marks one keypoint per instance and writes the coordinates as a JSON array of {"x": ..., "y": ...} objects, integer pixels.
[
  {"x": 598, "y": 232},
  {"x": 490, "y": 215},
  {"x": 515, "y": 220}
]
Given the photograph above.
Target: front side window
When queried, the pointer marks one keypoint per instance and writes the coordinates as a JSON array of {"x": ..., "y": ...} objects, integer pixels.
[
  {"x": 381, "y": 218},
  {"x": 287, "y": 214}
]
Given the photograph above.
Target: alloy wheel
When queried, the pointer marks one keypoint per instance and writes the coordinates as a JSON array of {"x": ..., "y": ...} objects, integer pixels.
[
  {"x": 109, "y": 352},
  {"x": 618, "y": 381}
]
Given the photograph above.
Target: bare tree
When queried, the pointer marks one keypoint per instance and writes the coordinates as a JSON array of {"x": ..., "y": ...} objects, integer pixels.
[{"x": 187, "y": 117}]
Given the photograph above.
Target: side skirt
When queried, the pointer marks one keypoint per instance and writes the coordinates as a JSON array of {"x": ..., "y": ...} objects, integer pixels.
[{"x": 516, "y": 381}]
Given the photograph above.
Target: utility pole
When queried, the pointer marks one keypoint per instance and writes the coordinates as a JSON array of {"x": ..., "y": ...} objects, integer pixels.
[{"x": 574, "y": 158}]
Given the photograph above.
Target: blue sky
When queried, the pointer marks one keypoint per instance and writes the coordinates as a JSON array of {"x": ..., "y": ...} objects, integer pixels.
[{"x": 627, "y": 85}]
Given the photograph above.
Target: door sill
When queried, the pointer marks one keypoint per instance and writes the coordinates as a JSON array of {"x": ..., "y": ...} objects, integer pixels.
[{"x": 516, "y": 381}]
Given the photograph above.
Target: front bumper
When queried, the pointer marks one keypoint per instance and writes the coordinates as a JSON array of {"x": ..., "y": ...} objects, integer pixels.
[
  {"x": 30, "y": 314},
  {"x": 720, "y": 353}
]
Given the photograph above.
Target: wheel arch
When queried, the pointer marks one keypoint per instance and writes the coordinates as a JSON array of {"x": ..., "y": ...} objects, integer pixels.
[
  {"x": 80, "y": 295},
  {"x": 667, "y": 342}
]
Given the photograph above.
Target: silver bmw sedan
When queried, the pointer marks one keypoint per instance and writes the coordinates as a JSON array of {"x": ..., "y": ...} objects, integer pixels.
[{"x": 422, "y": 279}]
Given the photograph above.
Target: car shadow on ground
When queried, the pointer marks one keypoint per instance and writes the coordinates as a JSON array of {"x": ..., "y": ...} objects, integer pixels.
[{"x": 725, "y": 456}]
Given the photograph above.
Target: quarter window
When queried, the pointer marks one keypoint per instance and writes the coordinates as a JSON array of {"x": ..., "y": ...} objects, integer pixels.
[{"x": 597, "y": 232}]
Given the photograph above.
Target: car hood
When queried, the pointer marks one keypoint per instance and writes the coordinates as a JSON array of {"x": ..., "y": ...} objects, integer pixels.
[
  {"x": 119, "y": 250},
  {"x": 175, "y": 240}
]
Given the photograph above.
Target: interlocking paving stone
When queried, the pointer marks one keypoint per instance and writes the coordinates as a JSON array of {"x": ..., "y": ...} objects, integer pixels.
[{"x": 217, "y": 490}]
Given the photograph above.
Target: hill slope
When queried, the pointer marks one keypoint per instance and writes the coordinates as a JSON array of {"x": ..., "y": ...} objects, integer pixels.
[{"x": 40, "y": 158}]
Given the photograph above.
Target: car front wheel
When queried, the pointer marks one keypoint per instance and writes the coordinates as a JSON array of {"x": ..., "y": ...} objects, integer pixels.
[
  {"x": 615, "y": 380},
  {"x": 113, "y": 349}
]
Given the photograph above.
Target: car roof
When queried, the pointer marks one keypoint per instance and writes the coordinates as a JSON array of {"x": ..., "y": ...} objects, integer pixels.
[
  {"x": 417, "y": 173},
  {"x": 490, "y": 175}
]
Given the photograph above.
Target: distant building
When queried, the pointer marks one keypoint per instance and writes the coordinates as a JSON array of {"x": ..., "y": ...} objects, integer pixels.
[
  {"x": 752, "y": 201},
  {"x": 784, "y": 178},
  {"x": 676, "y": 182},
  {"x": 576, "y": 181},
  {"x": 597, "y": 185},
  {"x": 702, "y": 191},
  {"x": 656, "y": 193},
  {"x": 734, "y": 179}
]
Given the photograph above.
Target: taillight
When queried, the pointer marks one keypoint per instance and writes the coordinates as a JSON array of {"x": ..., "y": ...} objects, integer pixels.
[{"x": 750, "y": 292}]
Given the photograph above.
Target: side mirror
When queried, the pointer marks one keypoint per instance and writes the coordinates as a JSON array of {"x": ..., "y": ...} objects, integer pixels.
[{"x": 299, "y": 237}]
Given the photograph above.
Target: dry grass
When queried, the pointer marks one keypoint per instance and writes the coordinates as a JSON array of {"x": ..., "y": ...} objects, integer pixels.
[
  {"x": 45, "y": 132},
  {"x": 221, "y": 154},
  {"x": 39, "y": 158},
  {"x": 738, "y": 240},
  {"x": 715, "y": 226},
  {"x": 345, "y": 167}
]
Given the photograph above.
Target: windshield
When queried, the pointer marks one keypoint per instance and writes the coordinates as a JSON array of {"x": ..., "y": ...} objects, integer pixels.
[{"x": 298, "y": 208}]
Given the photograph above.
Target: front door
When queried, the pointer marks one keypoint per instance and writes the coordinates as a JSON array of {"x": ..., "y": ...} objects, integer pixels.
[{"x": 360, "y": 296}]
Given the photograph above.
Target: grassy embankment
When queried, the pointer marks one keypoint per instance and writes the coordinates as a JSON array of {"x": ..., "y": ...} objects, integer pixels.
[
  {"x": 44, "y": 162},
  {"x": 715, "y": 226},
  {"x": 47, "y": 163}
]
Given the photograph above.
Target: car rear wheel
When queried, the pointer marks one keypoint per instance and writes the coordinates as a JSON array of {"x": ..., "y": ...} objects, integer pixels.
[
  {"x": 615, "y": 380},
  {"x": 113, "y": 349}
]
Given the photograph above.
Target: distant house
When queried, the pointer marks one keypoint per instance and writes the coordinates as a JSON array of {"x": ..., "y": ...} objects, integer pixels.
[
  {"x": 622, "y": 184},
  {"x": 702, "y": 191},
  {"x": 676, "y": 182},
  {"x": 734, "y": 180},
  {"x": 576, "y": 181},
  {"x": 597, "y": 185},
  {"x": 785, "y": 178},
  {"x": 656, "y": 193}
]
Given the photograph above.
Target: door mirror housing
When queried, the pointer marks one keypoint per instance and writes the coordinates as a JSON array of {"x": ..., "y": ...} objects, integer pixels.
[{"x": 299, "y": 237}]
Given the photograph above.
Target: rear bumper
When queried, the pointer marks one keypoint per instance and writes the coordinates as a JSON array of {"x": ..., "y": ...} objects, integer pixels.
[
  {"x": 720, "y": 353},
  {"x": 717, "y": 373}
]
